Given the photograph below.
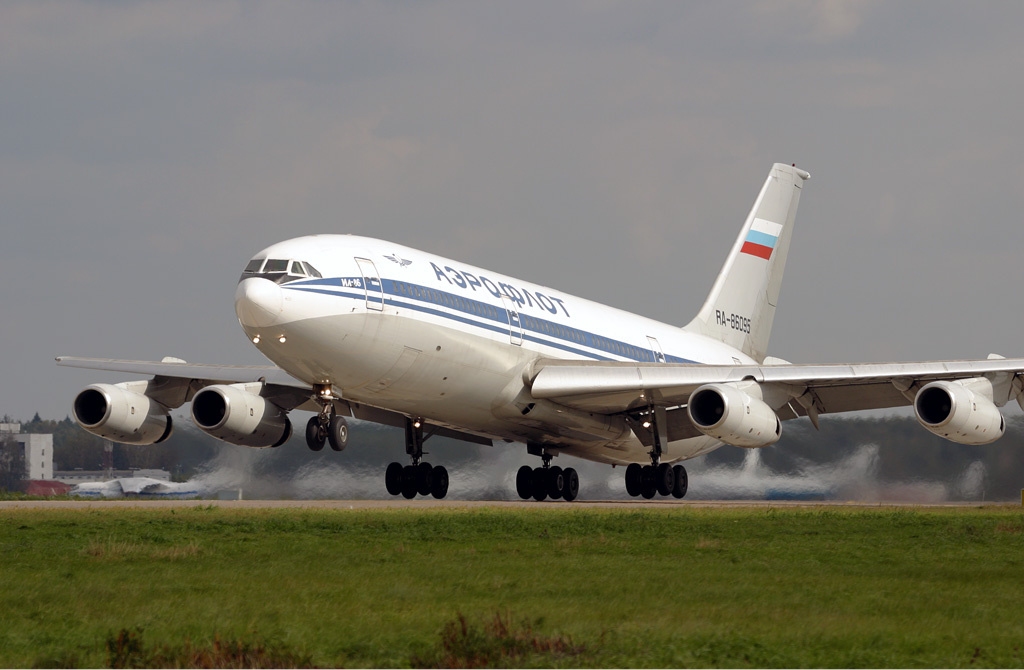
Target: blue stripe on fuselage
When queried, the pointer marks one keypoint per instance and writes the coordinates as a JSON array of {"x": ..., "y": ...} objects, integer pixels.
[{"x": 486, "y": 316}]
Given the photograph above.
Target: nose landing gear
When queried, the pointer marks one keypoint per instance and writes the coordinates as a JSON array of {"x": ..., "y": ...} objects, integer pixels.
[{"x": 327, "y": 426}]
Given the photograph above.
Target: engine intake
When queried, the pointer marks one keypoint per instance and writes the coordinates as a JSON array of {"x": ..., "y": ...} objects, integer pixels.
[
  {"x": 115, "y": 413},
  {"x": 957, "y": 412},
  {"x": 733, "y": 416},
  {"x": 234, "y": 415}
]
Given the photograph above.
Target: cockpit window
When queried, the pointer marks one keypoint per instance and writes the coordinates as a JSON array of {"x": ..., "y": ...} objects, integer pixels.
[{"x": 279, "y": 270}]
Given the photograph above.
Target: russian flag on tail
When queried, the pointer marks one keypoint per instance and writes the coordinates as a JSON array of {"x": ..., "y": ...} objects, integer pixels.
[{"x": 761, "y": 238}]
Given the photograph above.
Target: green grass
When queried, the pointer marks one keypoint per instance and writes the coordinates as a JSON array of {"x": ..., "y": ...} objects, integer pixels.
[{"x": 521, "y": 587}]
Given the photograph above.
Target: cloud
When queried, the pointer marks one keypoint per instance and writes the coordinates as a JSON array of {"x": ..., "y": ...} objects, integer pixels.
[{"x": 609, "y": 150}]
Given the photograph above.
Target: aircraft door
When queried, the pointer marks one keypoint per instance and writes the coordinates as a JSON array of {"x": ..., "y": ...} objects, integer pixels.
[
  {"x": 371, "y": 284},
  {"x": 515, "y": 325},
  {"x": 659, "y": 355}
]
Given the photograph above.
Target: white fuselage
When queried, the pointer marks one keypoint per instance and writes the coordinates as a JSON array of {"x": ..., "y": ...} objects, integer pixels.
[{"x": 403, "y": 330}]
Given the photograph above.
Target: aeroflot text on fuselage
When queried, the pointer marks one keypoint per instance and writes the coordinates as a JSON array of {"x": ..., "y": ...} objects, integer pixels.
[{"x": 468, "y": 281}]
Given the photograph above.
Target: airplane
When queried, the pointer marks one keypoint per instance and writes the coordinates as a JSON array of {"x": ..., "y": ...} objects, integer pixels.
[
  {"x": 365, "y": 328},
  {"x": 143, "y": 487}
]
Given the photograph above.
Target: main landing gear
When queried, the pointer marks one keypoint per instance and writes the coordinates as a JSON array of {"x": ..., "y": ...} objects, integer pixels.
[
  {"x": 656, "y": 478},
  {"x": 547, "y": 481},
  {"x": 327, "y": 426},
  {"x": 418, "y": 478}
]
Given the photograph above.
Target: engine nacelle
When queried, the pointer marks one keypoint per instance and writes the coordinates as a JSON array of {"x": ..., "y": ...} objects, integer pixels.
[
  {"x": 232, "y": 414},
  {"x": 957, "y": 412},
  {"x": 118, "y": 414},
  {"x": 733, "y": 416}
]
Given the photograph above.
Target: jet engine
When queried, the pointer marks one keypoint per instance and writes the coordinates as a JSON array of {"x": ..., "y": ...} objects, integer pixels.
[
  {"x": 958, "y": 412},
  {"x": 726, "y": 413},
  {"x": 116, "y": 413},
  {"x": 233, "y": 414}
]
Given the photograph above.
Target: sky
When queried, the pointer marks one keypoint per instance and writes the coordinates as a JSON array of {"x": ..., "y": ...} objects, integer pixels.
[{"x": 608, "y": 149}]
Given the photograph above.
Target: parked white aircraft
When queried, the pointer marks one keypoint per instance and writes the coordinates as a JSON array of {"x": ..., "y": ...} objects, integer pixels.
[
  {"x": 143, "y": 487},
  {"x": 375, "y": 330}
]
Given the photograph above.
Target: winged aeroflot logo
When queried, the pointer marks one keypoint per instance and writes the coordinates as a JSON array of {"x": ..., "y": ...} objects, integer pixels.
[{"x": 398, "y": 259}]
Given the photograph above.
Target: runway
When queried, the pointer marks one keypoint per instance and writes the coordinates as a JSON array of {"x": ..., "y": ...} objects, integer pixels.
[{"x": 401, "y": 503}]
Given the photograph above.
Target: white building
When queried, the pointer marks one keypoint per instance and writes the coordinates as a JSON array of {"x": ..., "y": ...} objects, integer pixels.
[{"x": 38, "y": 449}]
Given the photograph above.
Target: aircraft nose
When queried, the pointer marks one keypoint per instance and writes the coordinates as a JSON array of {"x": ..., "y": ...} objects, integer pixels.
[{"x": 258, "y": 302}]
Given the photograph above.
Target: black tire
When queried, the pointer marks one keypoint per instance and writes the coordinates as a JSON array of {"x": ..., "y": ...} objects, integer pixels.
[
  {"x": 424, "y": 478},
  {"x": 439, "y": 482},
  {"x": 524, "y": 482},
  {"x": 393, "y": 478},
  {"x": 540, "y": 484},
  {"x": 409, "y": 482},
  {"x": 556, "y": 482},
  {"x": 665, "y": 478},
  {"x": 648, "y": 483},
  {"x": 572, "y": 484},
  {"x": 337, "y": 433},
  {"x": 682, "y": 482},
  {"x": 316, "y": 436},
  {"x": 633, "y": 471}
]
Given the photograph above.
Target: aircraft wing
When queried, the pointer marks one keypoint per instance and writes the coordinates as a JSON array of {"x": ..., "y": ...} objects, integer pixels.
[
  {"x": 175, "y": 382},
  {"x": 619, "y": 387},
  {"x": 212, "y": 374}
]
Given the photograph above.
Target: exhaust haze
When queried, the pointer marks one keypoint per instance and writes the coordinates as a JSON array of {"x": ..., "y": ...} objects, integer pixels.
[{"x": 805, "y": 465}]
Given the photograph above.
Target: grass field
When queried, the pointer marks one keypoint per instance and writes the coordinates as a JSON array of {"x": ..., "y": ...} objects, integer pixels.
[{"x": 521, "y": 587}]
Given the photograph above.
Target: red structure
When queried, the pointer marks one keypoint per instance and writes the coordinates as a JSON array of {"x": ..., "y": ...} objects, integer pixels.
[{"x": 41, "y": 487}]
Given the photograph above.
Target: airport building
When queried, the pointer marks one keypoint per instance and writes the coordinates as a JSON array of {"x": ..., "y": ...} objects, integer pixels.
[{"x": 38, "y": 449}]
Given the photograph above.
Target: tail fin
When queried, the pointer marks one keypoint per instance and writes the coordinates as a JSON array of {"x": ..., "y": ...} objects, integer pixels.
[{"x": 741, "y": 306}]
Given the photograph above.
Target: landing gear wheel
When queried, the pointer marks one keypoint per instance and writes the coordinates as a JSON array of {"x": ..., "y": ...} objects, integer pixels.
[
  {"x": 409, "y": 482},
  {"x": 572, "y": 484},
  {"x": 424, "y": 476},
  {"x": 633, "y": 471},
  {"x": 316, "y": 434},
  {"x": 665, "y": 478},
  {"x": 337, "y": 433},
  {"x": 540, "y": 484},
  {"x": 556, "y": 482},
  {"x": 524, "y": 482},
  {"x": 393, "y": 478},
  {"x": 648, "y": 483},
  {"x": 682, "y": 482},
  {"x": 439, "y": 482}
]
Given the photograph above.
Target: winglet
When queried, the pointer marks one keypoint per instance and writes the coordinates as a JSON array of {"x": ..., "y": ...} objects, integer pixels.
[{"x": 740, "y": 309}]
